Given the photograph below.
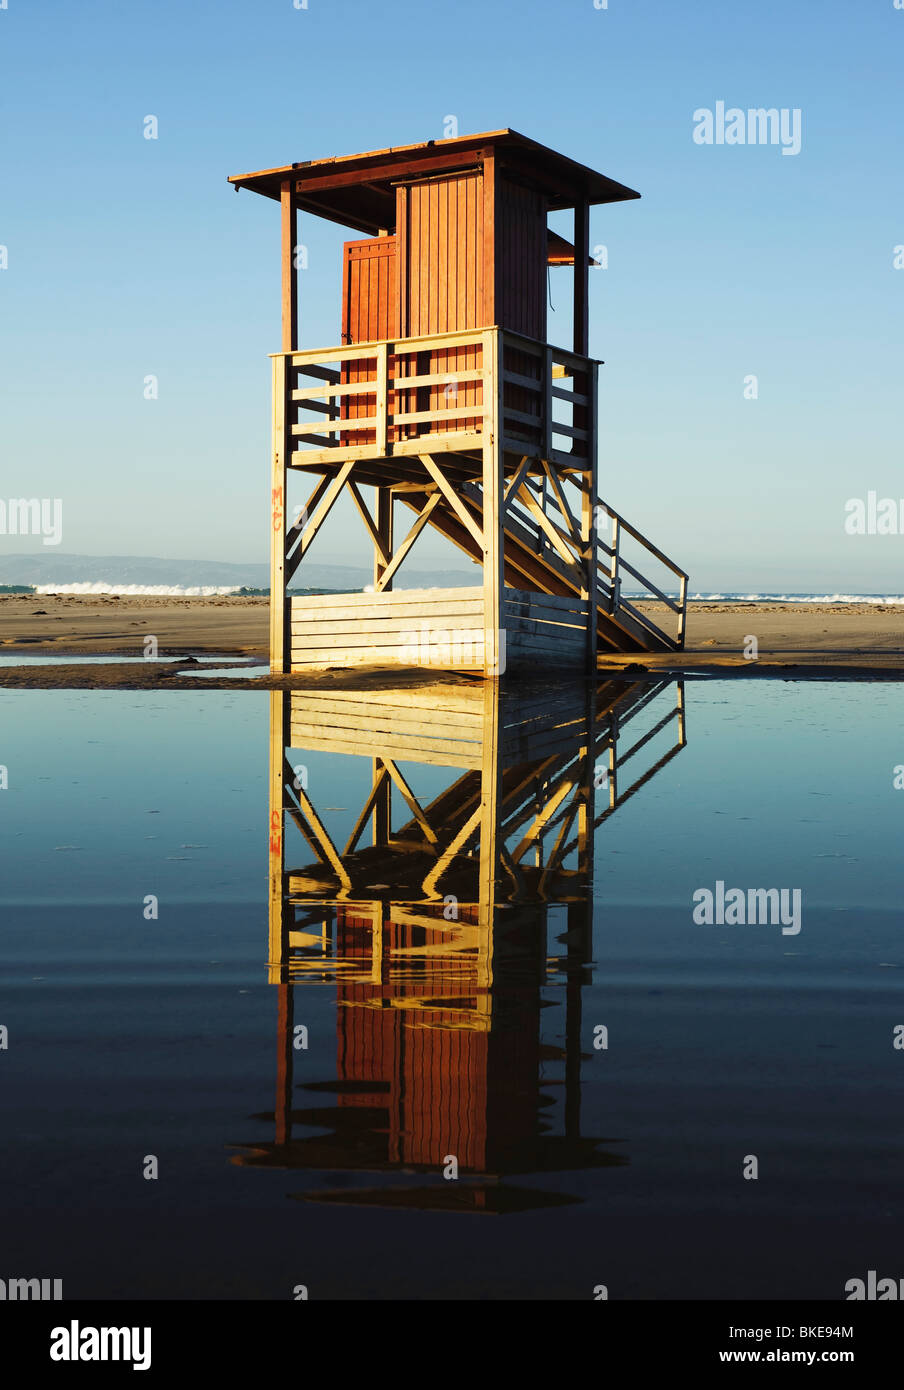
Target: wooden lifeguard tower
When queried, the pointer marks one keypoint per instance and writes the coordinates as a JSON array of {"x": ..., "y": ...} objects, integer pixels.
[{"x": 445, "y": 397}]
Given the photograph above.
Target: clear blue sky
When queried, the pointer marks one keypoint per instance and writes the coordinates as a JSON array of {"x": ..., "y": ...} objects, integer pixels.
[{"x": 129, "y": 256}]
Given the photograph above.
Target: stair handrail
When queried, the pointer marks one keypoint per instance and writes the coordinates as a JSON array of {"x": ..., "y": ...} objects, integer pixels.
[{"x": 611, "y": 574}]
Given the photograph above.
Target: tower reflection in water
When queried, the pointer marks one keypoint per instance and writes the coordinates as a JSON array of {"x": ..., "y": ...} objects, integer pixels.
[{"x": 447, "y": 930}]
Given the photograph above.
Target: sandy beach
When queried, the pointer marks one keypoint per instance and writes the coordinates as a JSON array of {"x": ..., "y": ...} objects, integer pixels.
[{"x": 799, "y": 640}]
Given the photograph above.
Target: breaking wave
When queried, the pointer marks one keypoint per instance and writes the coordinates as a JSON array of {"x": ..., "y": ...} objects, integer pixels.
[
  {"x": 142, "y": 590},
  {"x": 796, "y": 598}
]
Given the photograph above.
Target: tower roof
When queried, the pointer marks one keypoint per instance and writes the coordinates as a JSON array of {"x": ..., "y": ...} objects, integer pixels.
[{"x": 358, "y": 190}]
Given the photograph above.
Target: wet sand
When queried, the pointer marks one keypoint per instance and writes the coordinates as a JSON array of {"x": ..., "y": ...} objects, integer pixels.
[
  {"x": 844, "y": 640},
  {"x": 98, "y": 624}
]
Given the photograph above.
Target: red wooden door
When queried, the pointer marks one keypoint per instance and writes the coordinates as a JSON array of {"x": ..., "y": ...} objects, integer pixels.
[{"x": 369, "y": 314}]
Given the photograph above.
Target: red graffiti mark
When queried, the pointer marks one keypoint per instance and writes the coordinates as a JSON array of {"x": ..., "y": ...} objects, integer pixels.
[
  {"x": 275, "y": 843},
  {"x": 277, "y": 504}
]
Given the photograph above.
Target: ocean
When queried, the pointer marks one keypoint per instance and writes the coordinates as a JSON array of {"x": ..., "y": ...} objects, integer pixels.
[{"x": 208, "y": 591}]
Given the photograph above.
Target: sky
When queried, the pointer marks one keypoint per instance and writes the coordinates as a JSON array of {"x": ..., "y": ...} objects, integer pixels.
[{"x": 127, "y": 257}]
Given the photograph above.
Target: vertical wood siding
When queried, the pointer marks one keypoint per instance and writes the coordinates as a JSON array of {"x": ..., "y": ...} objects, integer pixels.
[
  {"x": 369, "y": 308},
  {"x": 441, "y": 244},
  {"x": 522, "y": 286},
  {"x": 521, "y": 274}
]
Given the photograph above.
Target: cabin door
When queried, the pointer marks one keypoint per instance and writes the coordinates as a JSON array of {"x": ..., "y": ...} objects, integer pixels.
[{"x": 368, "y": 315}]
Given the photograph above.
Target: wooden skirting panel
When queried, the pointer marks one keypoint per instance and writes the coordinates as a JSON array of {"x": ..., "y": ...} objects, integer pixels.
[
  {"x": 544, "y": 631},
  {"x": 441, "y": 629},
  {"x": 435, "y": 628}
]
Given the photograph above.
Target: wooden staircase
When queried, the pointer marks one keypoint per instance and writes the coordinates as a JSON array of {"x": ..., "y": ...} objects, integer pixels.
[{"x": 532, "y": 561}]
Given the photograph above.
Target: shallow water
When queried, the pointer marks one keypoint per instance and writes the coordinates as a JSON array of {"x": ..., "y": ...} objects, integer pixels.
[
  {"x": 46, "y": 659},
  {"x": 249, "y": 672},
  {"x": 441, "y": 1029}
]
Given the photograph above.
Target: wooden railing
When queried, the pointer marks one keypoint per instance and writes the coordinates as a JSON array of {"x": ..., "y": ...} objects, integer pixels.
[
  {"x": 549, "y": 401},
  {"x": 445, "y": 393},
  {"x": 615, "y": 571},
  {"x": 612, "y": 567}
]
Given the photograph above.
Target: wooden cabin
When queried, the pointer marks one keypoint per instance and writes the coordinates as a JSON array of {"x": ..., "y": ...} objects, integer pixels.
[{"x": 445, "y": 398}]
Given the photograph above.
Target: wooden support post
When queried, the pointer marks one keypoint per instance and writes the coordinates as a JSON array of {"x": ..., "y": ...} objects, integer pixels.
[
  {"x": 279, "y": 656},
  {"x": 383, "y": 522},
  {"x": 584, "y": 417},
  {"x": 289, "y": 207},
  {"x": 547, "y": 403},
  {"x": 493, "y": 510},
  {"x": 282, "y": 433},
  {"x": 589, "y": 516},
  {"x": 582, "y": 278}
]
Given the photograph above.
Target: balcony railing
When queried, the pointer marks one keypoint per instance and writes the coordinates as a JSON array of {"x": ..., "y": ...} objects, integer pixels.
[{"x": 447, "y": 392}]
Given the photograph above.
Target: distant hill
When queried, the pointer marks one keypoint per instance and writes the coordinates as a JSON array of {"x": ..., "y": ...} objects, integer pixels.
[{"x": 43, "y": 568}]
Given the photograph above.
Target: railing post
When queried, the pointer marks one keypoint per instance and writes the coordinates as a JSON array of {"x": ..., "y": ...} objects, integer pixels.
[
  {"x": 382, "y": 411},
  {"x": 593, "y": 424},
  {"x": 547, "y": 403},
  {"x": 589, "y": 587},
  {"x": 588, "y": 513},
  {"x": 614, "y": 576},
  {"x": 682, "y": 601}
]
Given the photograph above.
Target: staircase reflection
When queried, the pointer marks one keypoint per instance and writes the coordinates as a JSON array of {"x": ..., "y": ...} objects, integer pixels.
[{"x": 436, "y": 935}]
